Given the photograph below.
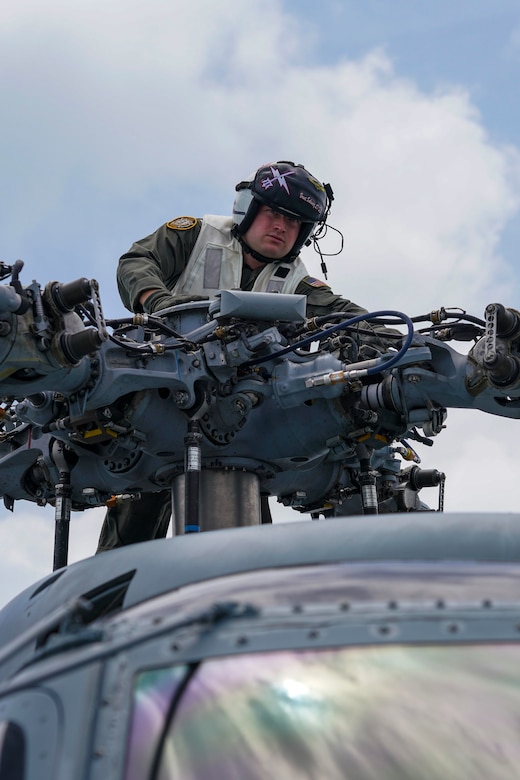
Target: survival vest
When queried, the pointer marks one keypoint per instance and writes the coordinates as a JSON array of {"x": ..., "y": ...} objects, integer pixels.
[{"x": 216, "y": 264}]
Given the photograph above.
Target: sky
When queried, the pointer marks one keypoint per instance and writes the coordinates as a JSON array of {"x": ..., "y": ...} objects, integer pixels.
[{"x": 119, "y": 115}]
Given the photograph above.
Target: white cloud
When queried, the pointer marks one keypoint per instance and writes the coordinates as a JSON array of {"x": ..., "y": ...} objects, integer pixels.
[
  {"x": 27, "y": 544},
  {"x": 478, "y": 453},
  {"x": 422, "y": 195},
  {"x": 122, "y": 99},
  {"x": 128, "y": 97}
]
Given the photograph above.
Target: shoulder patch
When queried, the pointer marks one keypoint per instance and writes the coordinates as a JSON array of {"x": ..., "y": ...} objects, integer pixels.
[
  {"x": 312, "y": 282},
  {"x": 182, "y": 223}
]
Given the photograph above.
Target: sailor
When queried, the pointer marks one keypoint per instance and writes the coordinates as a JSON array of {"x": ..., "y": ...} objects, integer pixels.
[{"x": 276, "y": 212}]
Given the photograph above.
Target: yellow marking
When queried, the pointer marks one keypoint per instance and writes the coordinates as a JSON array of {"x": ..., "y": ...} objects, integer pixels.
[
  {"x": 99, "y": 432},
  {"x": 376, "y": 436}
]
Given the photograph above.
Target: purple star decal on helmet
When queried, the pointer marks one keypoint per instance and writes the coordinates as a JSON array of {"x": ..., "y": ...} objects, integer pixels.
[{"x": 277, "y": 177}]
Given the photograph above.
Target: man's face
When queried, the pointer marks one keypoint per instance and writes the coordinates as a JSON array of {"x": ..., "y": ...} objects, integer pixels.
[{"x": 272, "y": 234}]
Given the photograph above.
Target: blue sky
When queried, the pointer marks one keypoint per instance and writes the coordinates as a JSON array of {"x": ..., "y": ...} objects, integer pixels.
[{"x": 117, "y": 116}]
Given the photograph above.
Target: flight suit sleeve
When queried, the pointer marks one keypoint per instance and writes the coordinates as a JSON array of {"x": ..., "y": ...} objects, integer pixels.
[
  {"x": 321, "y": 300},
  {"x": 155, "y": 262}
]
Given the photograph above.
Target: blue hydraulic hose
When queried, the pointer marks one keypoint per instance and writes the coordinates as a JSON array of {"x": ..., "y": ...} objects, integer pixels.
[{"x": 386, "y": 362}]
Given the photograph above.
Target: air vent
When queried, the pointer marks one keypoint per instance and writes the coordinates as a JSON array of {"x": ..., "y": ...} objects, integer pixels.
[{"x": 107, "y": 598}]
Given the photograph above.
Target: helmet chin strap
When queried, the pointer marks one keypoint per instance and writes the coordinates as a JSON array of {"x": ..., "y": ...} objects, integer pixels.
[{"x": 256, "y": 255}]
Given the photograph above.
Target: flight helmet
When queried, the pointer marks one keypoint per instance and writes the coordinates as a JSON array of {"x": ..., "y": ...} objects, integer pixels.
[{"x": 285, "y": 187}]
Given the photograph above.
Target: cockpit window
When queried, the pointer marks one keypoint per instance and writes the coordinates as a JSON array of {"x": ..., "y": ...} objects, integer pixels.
[
  {"x": 154, "y": 693},
  {"x": 447, "y": 712},
  {"x": 12, "y": 751}
]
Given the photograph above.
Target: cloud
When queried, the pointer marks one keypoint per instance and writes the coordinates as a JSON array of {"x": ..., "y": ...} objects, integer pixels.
[
  {"x": 422, "y": 195},
  {"x": 129, "y": 98},
  {"x": 120, "y": 115},
  {"x": 27, "y": 544}
]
